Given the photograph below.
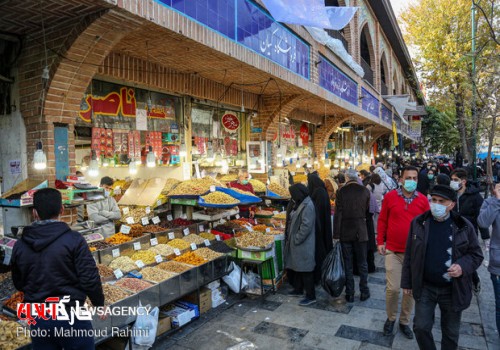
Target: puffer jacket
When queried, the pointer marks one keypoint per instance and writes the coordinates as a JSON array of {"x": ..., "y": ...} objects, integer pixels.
[
  {"x": 490, "y": 216},
  {"x": 466, "y": 252},
  {"x": 468, "y": 205}
]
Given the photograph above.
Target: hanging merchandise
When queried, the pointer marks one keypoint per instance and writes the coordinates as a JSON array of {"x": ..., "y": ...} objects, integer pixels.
[
  {"x": 230, "y": 121},
  {"x": 304, "y": 133}
]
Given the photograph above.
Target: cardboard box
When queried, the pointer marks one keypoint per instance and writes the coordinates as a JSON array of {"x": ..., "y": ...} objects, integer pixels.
[
  {"x": 204, "y": 302},
  {"x": 180, "y": 315},
  {"x": 261, "y": 256},
  {"x": 28, "y": 188},
  {"x": 164, "y": 324}
]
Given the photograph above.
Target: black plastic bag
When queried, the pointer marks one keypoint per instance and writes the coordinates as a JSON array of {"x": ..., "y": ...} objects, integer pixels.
[{"x": 333, "y": 273}]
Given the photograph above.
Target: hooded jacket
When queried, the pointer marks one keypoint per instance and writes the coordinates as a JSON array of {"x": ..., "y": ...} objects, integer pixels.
[
  {"x": 490, "y": 216},
  {"x": 51, "y": 260},
  {"x": 468, "y": 205},
  {"x": 465, "y": 251}
]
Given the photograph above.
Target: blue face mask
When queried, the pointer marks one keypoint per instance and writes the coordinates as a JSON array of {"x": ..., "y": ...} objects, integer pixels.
[
  {"x": 244, "y": 182},
  {"x": 438, "y": 210},
  {"x": 410, "y": 185},
  {"x": 430, "y": 176}
]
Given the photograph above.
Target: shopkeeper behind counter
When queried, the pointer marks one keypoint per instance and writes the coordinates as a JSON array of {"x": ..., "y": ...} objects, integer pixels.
[
  {"x": 243, "y": 184},
  {"x": 106, "y": 211}
]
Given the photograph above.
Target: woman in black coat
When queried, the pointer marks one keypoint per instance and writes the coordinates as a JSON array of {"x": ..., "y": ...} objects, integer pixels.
[{"x": 324, "y": 240}]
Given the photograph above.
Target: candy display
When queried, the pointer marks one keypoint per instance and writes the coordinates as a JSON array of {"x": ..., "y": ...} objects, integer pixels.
[
  {"x": 194, "y": 187},
  {"x": 118, "y": 238},
  {"x": 99, "y": 246},
  {"x": 254, "y": 239},
  {"x": 192, "y": 238},
  {"x": 105, "y": 271},
  {"x": 124, "y": 263},
  {"x": 162, "y": 249},
  {"x": 179, "y": 244},
  {"x": 146, "y": 256},
  {"x": 16, "y": 298},
  {"x": 191, "y": 259},
  {"x": 133, "y": 284},
  {"x": 258, "y": 186},
  {"x": 10, "y": 337},
  {"x": 174, "y": 266},
  {"x": 219, "y": 198},
  {"x": 278, "y": 189},
  {"x": 207, "y": 254},
  {"x": 207, "y": 235},
  {"x": 156, "y": 274}
]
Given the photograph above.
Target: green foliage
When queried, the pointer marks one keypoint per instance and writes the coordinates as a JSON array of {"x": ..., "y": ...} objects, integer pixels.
[{"x": 439, "y": 133}]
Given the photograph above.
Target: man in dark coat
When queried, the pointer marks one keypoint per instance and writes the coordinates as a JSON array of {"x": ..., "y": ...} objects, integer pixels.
[
  {"x": 351, "y": 209},
  {"x": 324, "y": 241},
  {"x": 442, "y": 253},
  {"x": 51, "y": 260}
]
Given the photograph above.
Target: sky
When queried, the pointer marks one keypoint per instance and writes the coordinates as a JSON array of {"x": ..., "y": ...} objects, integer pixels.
[{"x": 399, "y": 5}]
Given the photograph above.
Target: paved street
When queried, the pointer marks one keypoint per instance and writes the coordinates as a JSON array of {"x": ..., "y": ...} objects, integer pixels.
[{"x": 279, "y": 323}]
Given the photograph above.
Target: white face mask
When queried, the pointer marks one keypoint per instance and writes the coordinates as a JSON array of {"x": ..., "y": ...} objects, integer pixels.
[
  {"x": 107, "y": 193},
  {"x": 456, "y": 185}
]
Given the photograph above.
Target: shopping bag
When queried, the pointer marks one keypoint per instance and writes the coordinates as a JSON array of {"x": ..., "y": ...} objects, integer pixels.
[
  {"x": 145, "y": 326},
  {"x": 233, "y": 279},
  {"x": 333, "y": 273}
]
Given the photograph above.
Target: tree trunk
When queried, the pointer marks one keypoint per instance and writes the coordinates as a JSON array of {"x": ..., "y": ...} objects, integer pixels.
[{"x": 462, "y": 128}]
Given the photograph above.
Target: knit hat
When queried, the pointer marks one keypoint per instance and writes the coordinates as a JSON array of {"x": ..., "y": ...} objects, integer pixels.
[
  {"x": 445, "y": 192},
  {"x": 351, "y": 174}
]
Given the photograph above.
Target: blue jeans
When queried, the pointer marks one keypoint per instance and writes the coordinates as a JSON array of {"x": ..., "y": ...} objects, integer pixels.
[
  {"x": 424, "y": 318},
  {"x": 49, "y": 339},
  {"x": 496, "y": 289}
]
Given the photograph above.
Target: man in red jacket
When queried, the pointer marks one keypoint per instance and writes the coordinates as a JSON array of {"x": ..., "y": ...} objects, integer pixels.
[{"x": 399, "y": 208}]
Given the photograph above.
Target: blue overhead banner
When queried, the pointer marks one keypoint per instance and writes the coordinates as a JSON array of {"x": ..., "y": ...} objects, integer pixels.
[
  {"x": 370, "y": 103},
  {"x": 386, "y": 114},
  {"x": 248, "y": 24},
  {"x": 332, "y": 79}
]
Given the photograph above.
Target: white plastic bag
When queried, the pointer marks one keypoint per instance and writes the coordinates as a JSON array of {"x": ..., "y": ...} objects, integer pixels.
[
  {"x": 145, "y": 326},
  {"x": 233, "y": 279}
]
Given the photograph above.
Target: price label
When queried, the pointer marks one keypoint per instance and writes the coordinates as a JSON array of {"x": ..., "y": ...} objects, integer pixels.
[
  {"x": 276, "y": 212},
  {"x": 158, "y": 202},
  {"x": 268, "y": 229},
  {"x": 201, "y": 228},
  {"x": 148, "y": 210},
  {"x": 256, "y": 223},
  {"x": 177, "y": 251},
  {"x": 137, "y": 245},
  {"x": 125, "y": 210},
  {"x": 169, "y": 217},
  {"x": 117, "y": 191},
  {"x": 158, "y": 258},
  {"x": 186, "y": 231},
  {"x": 118, "y": 274},
  {"x": 154, "y": 241},
  {"x": 130, "y": 220},
  {"x": 237, "y": 216},
  {"x": 171, "y": 235},
  {"x": 209, "y": 230},
  {"x": 217, "y": 237},
  {"x": 207, "y": 243},
  {"x": 144, "y": 221},
  {"x": 115, "y": 252},
  {"x": 193, "y": 246},
  {"x": 156, "y": 220},
  {"x": 139, "y": 264},
  {"x": 125, "y": 229},
  {"x": 212, "y": 188}
]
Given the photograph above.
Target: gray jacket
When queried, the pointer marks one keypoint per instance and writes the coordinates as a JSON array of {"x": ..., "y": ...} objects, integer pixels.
[
  {"x": 490, "y": 216},
  {"x": 104, "y": 213},
  {"x": 300, "y": 243}
]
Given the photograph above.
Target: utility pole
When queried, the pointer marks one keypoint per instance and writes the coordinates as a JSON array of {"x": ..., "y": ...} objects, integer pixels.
[{"x": 473, "y": 77}]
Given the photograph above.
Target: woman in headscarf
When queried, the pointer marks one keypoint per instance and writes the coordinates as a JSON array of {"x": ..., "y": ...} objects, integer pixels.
[
  {"x": 324, "y": 239},
  {"x": 386, "y": 180},
  {"x": 300, "y": 244}
]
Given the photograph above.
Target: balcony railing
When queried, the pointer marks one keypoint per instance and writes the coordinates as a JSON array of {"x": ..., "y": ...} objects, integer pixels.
[
  {"x": 368, "y": 72},
  {"x": 338, "y": 35},
  {"x": 383, "y": 89}
]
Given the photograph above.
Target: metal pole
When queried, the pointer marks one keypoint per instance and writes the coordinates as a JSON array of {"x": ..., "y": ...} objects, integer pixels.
[{"x": 473, "y": 77}]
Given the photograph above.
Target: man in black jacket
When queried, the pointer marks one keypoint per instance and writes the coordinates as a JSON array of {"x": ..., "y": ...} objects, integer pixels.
[
  {"x": 351, "y": 208},
  {"x": 442, "y": 253},
  {"x": 51, "y": 260}
]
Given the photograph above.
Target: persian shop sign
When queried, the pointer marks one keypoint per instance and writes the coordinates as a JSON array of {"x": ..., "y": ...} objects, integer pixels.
[{"x": 106, "y": 99}]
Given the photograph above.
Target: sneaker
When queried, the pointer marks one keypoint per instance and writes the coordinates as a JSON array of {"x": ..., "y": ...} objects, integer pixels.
[
  {"x": 306, "y": 302},
  {"x": 477, "y": 288},
  {"x": 389, "y": 327},
  {"x": 406, "y": 330},
  {"x": 295, "y": 293}
]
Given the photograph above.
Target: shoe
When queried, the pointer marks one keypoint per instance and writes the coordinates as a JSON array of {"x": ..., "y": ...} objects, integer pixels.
[
  {"x": 477, "y": 287},
  {"x": 406, "y": 330},
  {"x": 389, "y": 327},
  {"x": 295, "y": 293},
  {"x": 349, "y": 298},
  {"x": 306, "y": 302},
  {"x": 364, "y": 296}
]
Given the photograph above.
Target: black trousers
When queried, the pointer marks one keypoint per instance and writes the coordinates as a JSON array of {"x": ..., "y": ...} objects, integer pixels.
[
  {"x": 350, "y": 252},
  {"x": 303, "y": 281}
]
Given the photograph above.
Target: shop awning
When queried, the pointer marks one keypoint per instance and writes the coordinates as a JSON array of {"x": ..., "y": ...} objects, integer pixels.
[
  {"x": 403, "y": 107},
  {"x": 311, "y": 13}
]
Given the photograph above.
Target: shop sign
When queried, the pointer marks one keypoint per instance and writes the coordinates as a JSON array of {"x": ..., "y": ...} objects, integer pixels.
[
  {"x": 386, "y": 114},
  {"x": 304, "y": 133},
  {"x": 415, "y": 126},
  {"x": 332, "y": 79},
  {"x": 231, "y": 122},
  {"x": 287, "y": 132},
  {"x": 370, "y": 103}
]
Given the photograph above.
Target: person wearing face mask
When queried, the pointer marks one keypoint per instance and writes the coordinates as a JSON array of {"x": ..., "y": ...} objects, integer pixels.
[
  {"x": 106, "y": 211},
  {"x": 442, "y": 253},
  {"x": 243, "y": 183},
  {"x": 431, "y": 179},
  {"x": 399, "y": 208},
  {"x": 423, "y": 183}
]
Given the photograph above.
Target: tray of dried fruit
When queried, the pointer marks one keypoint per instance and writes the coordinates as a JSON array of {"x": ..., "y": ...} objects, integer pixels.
[
  {"x": 245, "y": 198},
  {"x": 218, "y": 199}
]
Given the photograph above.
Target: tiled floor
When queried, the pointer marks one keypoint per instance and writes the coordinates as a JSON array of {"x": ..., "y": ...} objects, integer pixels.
[{"x": 278, "y": 322}]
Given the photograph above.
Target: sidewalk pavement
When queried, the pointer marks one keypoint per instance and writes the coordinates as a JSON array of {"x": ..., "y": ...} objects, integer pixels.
[{"x": 277, "y": 322}]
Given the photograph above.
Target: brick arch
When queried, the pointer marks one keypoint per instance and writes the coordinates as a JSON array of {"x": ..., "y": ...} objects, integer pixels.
[
  {"x": 348, "y": 32},
  {"x": 365, "y": 30},
  {"x": 376, "y": 136},
  {"x": 83, "y": 47},
  {"x": 323, "y": 134},
  {"x": 385, "y": 64}
]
